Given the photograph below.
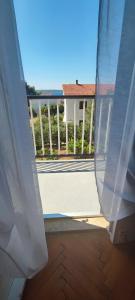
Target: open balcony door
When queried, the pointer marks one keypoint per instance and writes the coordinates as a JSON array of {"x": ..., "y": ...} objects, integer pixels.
[
  {"x": 115, "y": 116},
  {"x": 23, "y": 250}
]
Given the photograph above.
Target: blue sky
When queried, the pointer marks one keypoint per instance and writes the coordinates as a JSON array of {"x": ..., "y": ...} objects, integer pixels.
[{"x": 58, "y": 41}]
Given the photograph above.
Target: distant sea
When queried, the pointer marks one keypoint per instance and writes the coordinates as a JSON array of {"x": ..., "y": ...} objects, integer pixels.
[{"x": 51, "y": 92}]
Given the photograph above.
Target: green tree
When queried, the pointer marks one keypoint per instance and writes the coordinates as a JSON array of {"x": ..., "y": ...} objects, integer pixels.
[{"x": 30, "y": 90}]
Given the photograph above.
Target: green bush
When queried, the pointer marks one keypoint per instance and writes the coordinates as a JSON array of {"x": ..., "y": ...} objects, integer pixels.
[
  {"x": 54, "y": 131},
  {"x": 78, "y": 146}
]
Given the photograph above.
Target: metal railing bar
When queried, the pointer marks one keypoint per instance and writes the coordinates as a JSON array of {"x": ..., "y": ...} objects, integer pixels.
[
  {"x": 45, "y": 97},
  {"x": 83, "y": 126},
  {"x": 91, "y": 126},
  {"x": 50, "y": 132},
  {"x": 41, "y": 128},
  {"x": 66, "y": 137},
  {"x": 99, "y": 125},
  {"x": 33, "y": 130},
  {"x": 107, "y": 127},
  {"x": 58, "y": 126},
  {"x": 74, "y": 126}
]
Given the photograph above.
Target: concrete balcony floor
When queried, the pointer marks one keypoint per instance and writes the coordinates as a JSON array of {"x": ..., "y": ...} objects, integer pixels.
[{"x": 68, "y": 187}]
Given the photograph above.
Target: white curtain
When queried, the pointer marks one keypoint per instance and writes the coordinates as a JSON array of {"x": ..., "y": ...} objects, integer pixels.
[
  {"x": 115, "y": 109},
  {"x": 23, "y": 250}
]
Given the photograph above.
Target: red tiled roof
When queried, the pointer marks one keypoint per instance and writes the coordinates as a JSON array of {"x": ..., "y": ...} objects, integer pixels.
[
  {"x": 105, "y": 89},
  {"x": 79, "y": 89},
  {"x": 87, "y": 89}
]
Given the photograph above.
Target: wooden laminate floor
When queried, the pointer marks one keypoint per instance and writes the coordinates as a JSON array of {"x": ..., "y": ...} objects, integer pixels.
[{"x": 84, "y": 265}]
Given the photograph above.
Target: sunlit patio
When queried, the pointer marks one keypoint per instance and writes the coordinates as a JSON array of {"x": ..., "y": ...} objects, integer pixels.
[{"x": 68, "y": 187}]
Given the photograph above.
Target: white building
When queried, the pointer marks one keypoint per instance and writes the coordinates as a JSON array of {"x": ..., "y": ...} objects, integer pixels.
[{"x": 75, "y": 106}]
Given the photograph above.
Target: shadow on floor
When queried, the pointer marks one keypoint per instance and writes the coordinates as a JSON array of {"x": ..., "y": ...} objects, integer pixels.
[
  {"x": 65, "y": 166},
  {"x": 64, "y": 223}
]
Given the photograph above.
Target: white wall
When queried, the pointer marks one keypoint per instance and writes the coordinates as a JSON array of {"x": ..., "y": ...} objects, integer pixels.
[{"x": 69, "y": 111}]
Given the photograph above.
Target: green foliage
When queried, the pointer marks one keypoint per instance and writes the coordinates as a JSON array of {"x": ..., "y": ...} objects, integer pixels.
[
  {"x": 53, "y": 109},
  {"x": 79, "y": 146},
  {"x": 54, "y": 131},
  {"x": 30, "y": 90},
  {"x": 44, "y": 110}
]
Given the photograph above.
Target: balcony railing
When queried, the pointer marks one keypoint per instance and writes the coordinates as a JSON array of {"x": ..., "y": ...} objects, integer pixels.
[{"x": 62, "y": 125}]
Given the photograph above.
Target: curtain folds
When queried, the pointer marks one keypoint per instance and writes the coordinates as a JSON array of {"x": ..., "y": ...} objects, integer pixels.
[
  {"x": 23, "y": 250},
  {"x": 115, "y": 109}
]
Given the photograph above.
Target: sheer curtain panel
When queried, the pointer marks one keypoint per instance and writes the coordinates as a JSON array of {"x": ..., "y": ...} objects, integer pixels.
[
  {"x": 115, "y": 109},
  {"x": 23, "y": 250}
]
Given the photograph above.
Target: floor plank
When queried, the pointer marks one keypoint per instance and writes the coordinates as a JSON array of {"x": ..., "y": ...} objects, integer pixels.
[{"x": 84, "y": 265}]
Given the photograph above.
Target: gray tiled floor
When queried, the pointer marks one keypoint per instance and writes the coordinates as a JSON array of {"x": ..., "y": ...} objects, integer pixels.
[{"x": 68, "y": 187}]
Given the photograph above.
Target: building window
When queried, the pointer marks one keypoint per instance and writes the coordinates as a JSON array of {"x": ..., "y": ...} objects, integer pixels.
[{"x": 81, "y": 104}]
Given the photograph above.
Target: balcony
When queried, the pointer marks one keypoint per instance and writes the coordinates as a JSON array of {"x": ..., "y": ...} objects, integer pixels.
[
  {"x": 83, "y": 263},
  {"x": 63, "y": 131}
]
